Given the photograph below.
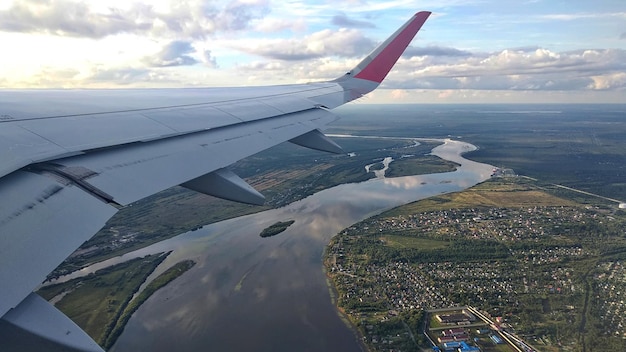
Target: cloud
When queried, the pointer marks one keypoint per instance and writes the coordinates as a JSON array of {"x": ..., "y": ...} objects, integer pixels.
[
  {"x": 609, "y": 81},
  {"x": 236, "y": 15},
  {"x": 622, "y": 36},
  {"x": 190, "y": 19},
  {"x": 343, "y": 43},
  {"x": 272, "y": 25},
  {"x": 70, "y": 18},
  {"x": 342, "y": 20},
  {"x": 399, "y": 94},
  {"x": 121, "y": 76},
  {"x": 173, "y": 54},
  {"x": 435, "y": 51},
  {"x": 541, "y": 69},
  {"x": 299, "y": 71},
  {"x": 578, "y": 16},
  {"x": 209, "y": 60},
  {"x": 50, "y": 77}
]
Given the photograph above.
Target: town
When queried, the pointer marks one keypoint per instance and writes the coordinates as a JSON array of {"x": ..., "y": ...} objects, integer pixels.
[{"x": 548, "y": 273}]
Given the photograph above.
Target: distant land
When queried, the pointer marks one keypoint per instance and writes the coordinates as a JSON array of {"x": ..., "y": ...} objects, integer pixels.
[{"x": 570, "y": 275}]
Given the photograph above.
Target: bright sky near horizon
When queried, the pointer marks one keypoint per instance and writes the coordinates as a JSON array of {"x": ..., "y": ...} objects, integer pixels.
[{"x": 470, "y": 51}]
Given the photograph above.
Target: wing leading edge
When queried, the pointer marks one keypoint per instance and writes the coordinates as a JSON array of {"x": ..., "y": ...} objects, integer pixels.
[{"x": 68, "y": 155}]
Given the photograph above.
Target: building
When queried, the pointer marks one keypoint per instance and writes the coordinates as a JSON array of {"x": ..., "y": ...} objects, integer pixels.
[
  {"x": 464, "y": 317},
  {"x": 453, "y": 332},
  {"x": 496, "y": 339}
]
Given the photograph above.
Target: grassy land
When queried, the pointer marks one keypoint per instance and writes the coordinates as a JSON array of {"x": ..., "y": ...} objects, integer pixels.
[
  {"x": 495, "y": 193},
  {"x": 419, "y": 165},
  {"x": 413, "y": 242},
  {"x": 101, "y": 302},
  {"x": 160, "y": 281},
  {"x": 96, "y": 302}
]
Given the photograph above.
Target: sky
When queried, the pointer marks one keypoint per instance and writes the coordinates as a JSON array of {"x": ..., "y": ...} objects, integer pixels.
[{"x": 469, "y": 51}]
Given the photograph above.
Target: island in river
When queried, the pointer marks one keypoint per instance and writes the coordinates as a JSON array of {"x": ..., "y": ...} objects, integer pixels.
[{"x": 276, "y": 228}]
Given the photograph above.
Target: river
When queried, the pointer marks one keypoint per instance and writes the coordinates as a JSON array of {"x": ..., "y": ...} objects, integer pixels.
[{"x": 270, "y": 294}]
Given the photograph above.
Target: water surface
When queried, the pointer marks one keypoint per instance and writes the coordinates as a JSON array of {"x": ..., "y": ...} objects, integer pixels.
[{"x": 270, "y": 294}]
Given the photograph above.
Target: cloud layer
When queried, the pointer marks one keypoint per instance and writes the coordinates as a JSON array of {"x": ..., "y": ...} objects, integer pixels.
[
  {"x": 187, "y": 18},
  {"x": 465, "y": 45}
]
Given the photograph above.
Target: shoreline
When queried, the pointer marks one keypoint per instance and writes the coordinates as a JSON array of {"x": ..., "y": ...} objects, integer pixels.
[
  {"x": 332, "y": 291},
  {"x": 440, "y": 151}
]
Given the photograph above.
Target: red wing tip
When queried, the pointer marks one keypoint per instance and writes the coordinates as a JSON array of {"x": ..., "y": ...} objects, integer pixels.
[{"x": 423, "y": 13}]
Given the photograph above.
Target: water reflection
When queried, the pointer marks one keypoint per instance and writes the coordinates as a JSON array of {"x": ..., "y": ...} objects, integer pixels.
[{"x": 252, "y": 293}]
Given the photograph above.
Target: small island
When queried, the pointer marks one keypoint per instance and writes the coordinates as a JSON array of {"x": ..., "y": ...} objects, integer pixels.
[{"x": 276, "y": 228}]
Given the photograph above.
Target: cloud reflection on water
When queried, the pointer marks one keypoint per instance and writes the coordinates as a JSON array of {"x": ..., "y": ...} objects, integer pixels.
[{"x": 283, "y": 301}]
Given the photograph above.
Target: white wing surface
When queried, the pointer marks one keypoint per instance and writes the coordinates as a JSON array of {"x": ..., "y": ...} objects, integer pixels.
[{"x": 69, "y": 159}]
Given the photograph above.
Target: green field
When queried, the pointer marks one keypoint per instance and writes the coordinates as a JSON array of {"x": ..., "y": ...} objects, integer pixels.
[
  {"x": 100, "y": 303},
  {"x": 95, "y": 302},
  {"x": 398, "y": 242}
]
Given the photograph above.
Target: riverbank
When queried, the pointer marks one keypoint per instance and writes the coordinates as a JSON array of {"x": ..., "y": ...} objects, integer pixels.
[
  {"x": 102, "y": 303},
  {"x": 333, "y": 293}
]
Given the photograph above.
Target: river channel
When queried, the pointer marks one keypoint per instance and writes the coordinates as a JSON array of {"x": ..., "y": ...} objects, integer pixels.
[{"x": 248, "y": 293}]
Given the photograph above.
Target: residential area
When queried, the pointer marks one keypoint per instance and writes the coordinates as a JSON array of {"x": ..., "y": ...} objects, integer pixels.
[{"x": 549, "y": 275}]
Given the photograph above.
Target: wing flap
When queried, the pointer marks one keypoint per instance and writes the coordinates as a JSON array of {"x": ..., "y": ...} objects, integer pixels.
[
  {"x": 36, "y": 319},
  {"x": 42, "y": 221}
]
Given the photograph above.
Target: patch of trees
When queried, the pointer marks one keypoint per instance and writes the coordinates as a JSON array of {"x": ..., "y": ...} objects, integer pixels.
[
  {"x": 458, "y": 251},
  {"x": 276, "y": 228}
]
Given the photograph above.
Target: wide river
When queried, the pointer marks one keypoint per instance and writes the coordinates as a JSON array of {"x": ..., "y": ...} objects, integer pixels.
[{"x": 248, "y": 293}]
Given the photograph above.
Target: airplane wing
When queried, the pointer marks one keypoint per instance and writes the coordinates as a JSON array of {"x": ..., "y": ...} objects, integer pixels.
[{"x": 69, "y": 159}]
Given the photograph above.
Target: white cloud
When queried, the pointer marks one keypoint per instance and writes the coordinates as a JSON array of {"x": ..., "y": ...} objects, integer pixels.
[
  {"x": 540, "y": 69},
  {"x": 581, "y": 15},
  {"x": 399, "y": 94},
  {"x": 609, "y": 81},
  {"x": 272, "y": 25},
  {"x": 77, "y": 43},
  {"x": 175, "y": 53},
  {"x": 342, "y": 42},
  {"x": 174, "y": 18},
  {"x": 342, "y": 20}
]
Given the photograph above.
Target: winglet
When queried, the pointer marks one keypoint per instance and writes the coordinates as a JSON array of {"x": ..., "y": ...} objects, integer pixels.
[{"x": 377, "y": 65}]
